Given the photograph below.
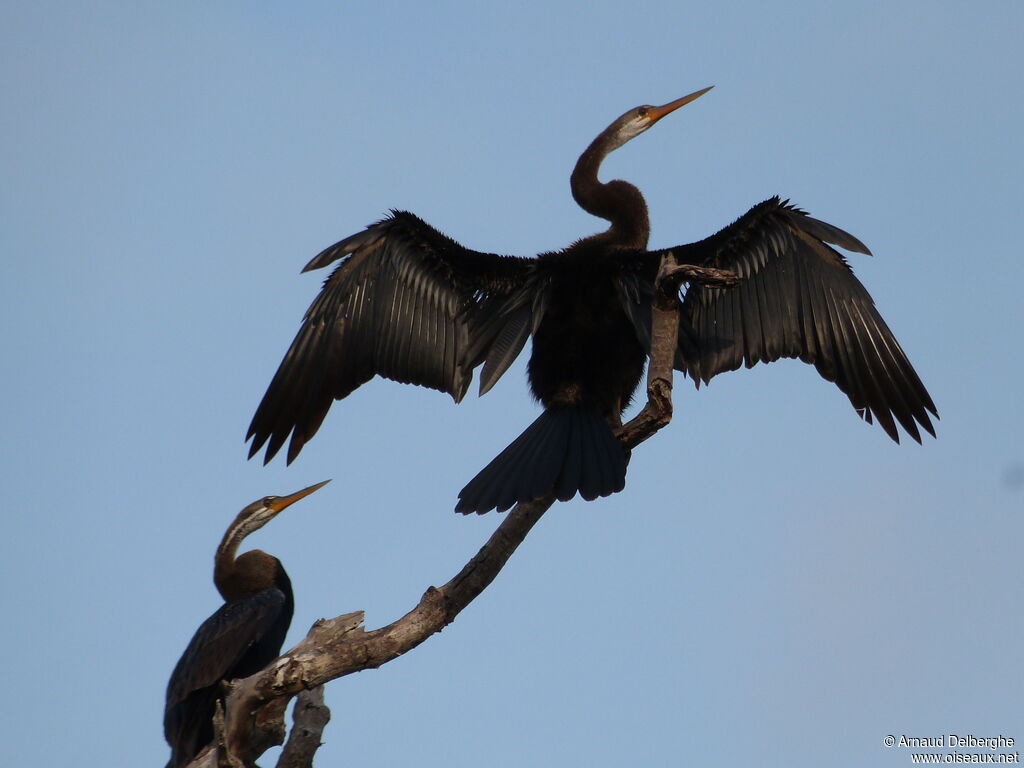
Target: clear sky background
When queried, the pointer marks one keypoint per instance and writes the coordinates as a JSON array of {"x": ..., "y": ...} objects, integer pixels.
[{"x": 779, "y": 584}]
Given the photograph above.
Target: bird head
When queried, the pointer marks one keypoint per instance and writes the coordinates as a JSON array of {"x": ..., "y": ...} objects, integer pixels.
[
  {"x": 261, "y": 512},
  {"x": 639, "y": 119}
]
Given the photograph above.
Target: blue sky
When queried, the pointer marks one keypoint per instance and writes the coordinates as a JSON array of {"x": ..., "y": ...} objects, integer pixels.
[{"x": 779, "y": 584}]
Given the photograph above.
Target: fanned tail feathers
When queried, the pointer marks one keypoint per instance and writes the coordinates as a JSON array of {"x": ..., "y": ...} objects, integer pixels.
[{"x": 567, "y": 449}]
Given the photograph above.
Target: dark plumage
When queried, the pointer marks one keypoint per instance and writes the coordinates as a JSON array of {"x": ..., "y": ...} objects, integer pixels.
[
  {"x": 239, "y": 639},
  {"x": 411, "y": 304}
]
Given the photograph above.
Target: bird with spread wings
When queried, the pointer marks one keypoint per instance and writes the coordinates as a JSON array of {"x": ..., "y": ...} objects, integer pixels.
[{"x": 412, "y": 305}]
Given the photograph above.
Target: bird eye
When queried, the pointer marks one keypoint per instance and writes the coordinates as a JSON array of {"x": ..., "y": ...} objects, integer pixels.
[
  {"x": 642, "y": 111},
  {"x": 267, "y": 500}
]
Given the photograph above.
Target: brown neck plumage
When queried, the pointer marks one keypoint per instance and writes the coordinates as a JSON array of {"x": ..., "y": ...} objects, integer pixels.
[
  {"x": 617, "y": 201},
  {"x": 248, "y": 574}
]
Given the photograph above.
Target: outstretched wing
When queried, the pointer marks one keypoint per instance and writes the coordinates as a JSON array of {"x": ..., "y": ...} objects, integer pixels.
[
  {"x": 798, "y": 298},
  {"x": 407, "y": 303}
]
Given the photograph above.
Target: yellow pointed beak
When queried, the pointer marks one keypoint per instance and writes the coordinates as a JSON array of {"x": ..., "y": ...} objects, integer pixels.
[
  {"x": 286, "y": 501},
  {"x": 656, "y": 113}
]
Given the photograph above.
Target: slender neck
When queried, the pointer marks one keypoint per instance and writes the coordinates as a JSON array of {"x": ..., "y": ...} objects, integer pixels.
[
  {"x": 617, "y": 201},
  {"x": 224, "y": 575}
]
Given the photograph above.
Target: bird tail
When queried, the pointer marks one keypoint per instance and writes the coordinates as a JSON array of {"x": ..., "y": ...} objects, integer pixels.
[{"x": 568, "y": 449}]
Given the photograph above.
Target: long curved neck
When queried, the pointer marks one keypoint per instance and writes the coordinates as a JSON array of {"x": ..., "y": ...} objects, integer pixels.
[
  {"x": 617, "y": 201},
  {"x": 225, "y": 573}
]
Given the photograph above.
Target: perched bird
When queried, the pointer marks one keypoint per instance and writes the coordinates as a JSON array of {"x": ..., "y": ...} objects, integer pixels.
[
  {"x": 239, "y": 639},
  {"x": 410, "y": 304}
]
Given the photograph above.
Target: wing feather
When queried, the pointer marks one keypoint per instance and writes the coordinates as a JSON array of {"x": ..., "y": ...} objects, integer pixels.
[
  {"x": 221, "y": 641},
  {"x": 798, "y": 299},
  {"x": 406, "y": 303},
  {"x": 221, "y": 648}
]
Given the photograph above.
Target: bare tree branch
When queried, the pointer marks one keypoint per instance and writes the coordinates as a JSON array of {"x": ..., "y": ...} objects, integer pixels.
[
  {"x": 310, "y": 716},
  {"x": 207, "y": 757},
  {"x": 336, "y": 647},
  {"x": 657, "y": 412},
  {"x": 672, "y": 277}
]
